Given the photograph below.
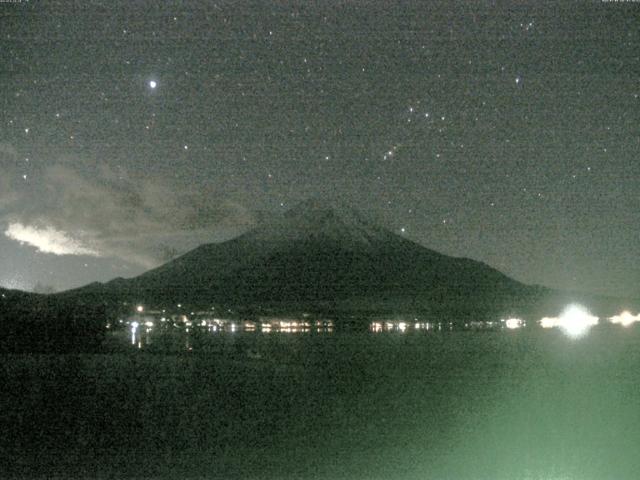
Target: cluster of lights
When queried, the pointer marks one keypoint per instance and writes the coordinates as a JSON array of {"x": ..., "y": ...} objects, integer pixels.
[
  {"x": 513, "y": 323},
  {"x": 575, "y": 321},
  {"x": 402, "y": 326},
  {"x": 219, "y": 325}
]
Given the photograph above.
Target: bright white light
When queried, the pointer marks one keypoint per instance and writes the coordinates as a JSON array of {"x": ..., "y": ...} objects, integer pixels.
[
  {"x": 134, "y": 328},
  {"x": 153, "y": 84},
  {"x": 149, "y": 324},
  {"x": 48, "y": 240},
  {"x": 625, "y": 319},
  {"x": 513, "y": 323},
  {"x": 576, "y": 321},
  {"x": 139, "y": 309},
  {"x": 549, "y": 322},
  {"x": 402, "y": 326}
]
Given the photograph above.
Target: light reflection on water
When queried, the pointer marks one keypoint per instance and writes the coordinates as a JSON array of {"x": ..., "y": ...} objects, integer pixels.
[
  {"x": 143, "y": 334},
  {"x": 442, "y": 406},
  {"x": 147, "y": 325},
  {"x": 144, "y": 331}
]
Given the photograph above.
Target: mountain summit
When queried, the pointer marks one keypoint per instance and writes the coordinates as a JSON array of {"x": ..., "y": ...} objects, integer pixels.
[{"x": 329, "y": 222}]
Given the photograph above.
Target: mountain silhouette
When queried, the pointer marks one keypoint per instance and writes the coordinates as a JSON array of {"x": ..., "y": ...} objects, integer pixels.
[{"x": 321, "y": 255}]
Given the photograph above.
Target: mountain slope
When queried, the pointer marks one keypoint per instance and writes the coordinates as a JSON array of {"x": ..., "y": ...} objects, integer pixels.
[{"x": 317, "y": 255}]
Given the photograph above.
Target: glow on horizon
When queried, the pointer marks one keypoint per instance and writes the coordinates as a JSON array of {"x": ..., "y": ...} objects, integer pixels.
[
  {"x": 625, "y": 318},
  {"x": 575, "y": 321}
]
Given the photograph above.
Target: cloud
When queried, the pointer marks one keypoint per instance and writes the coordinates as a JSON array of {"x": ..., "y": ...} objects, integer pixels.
[
  {"x": 48, "y": 240},
  {"x": 78, "y": 208}
]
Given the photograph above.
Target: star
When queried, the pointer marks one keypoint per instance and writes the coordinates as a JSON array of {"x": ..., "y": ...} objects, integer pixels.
[{"x": 153, "y": 84}]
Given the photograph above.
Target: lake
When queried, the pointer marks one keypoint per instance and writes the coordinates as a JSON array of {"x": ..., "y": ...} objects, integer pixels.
[{"x": 521, "y": 404}]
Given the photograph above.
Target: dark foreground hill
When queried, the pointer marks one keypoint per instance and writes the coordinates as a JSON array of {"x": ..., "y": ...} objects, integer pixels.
[
  {"x": 324, "y": 258},
  {"x": 31, "y": 322}
]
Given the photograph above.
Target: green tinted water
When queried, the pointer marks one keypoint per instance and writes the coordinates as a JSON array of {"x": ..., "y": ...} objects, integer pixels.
[{"x": 460, "y": 405}]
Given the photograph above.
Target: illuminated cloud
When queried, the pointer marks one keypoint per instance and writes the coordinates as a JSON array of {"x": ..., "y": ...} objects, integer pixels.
[
  {"x": 48, "y": 240},
  {"x": 75, "y": 207}
]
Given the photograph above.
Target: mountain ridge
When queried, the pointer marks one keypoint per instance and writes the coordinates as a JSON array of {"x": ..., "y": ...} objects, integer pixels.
[
  {"x": 323, "y": 258},
  {"x": 314, "y": 254}
]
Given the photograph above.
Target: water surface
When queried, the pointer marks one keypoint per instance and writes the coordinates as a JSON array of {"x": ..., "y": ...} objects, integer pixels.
[{"x": 464, "y": 405}]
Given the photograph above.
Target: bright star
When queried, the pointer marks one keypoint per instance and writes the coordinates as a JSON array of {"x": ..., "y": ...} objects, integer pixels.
[{"x": 153, "y": 84}]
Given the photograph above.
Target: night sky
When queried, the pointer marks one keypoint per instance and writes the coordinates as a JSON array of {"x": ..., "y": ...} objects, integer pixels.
[{"x": 133, "y": 131}]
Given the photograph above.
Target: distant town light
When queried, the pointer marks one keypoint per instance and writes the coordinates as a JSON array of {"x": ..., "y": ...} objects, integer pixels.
[
  {"x": 139, "y": 309},
  {"x": 625, "y": 319},
  {"x": 513, "y": 323},
  {"x": 576, "y": 321},
  {"x": 549, "y": 322},
  {"x": 376, "y": 327}
]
